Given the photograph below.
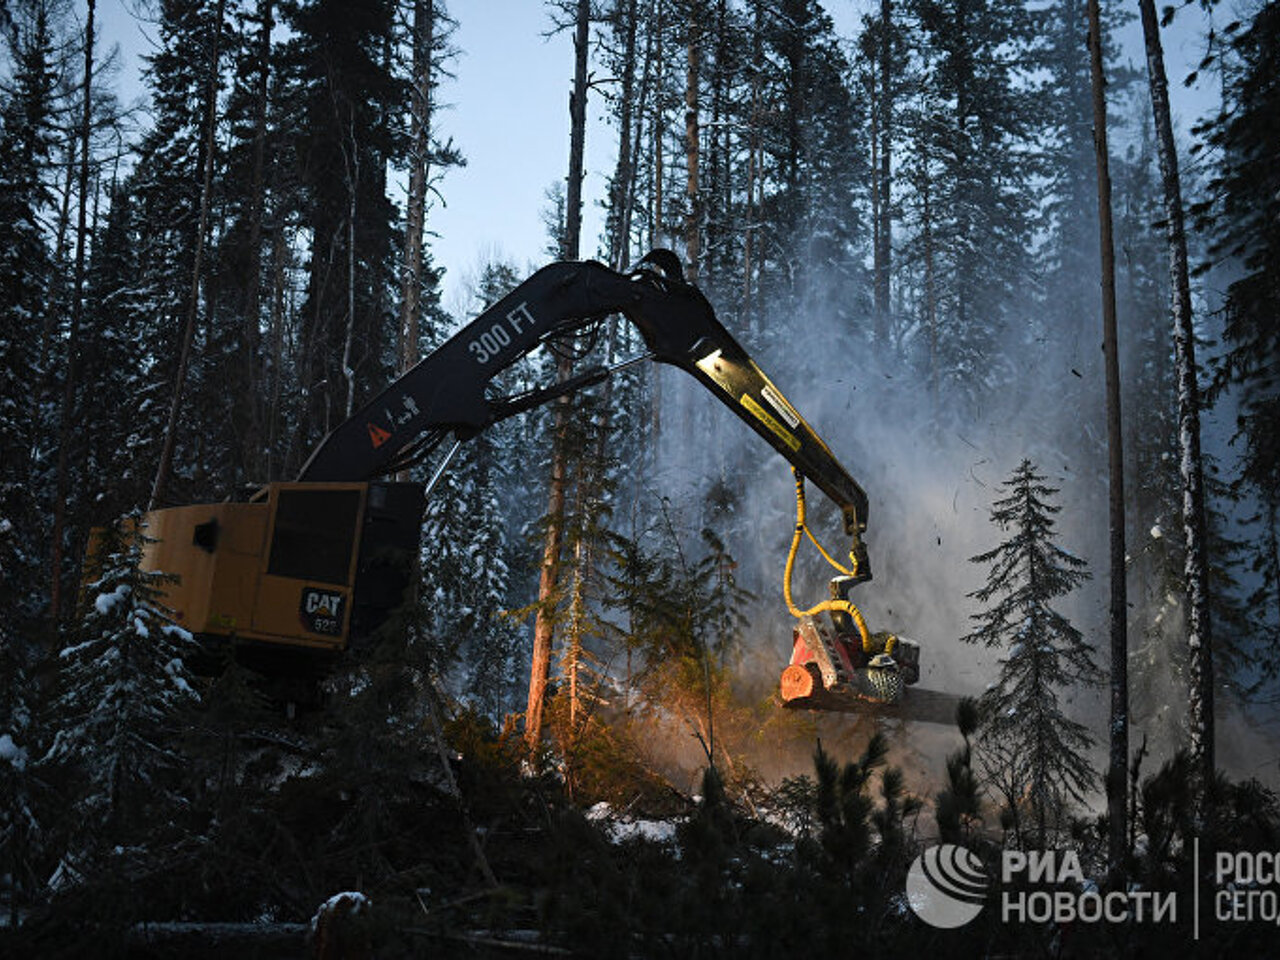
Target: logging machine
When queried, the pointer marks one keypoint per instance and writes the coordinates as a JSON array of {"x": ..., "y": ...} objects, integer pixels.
[{"x": 301, "y": 570}]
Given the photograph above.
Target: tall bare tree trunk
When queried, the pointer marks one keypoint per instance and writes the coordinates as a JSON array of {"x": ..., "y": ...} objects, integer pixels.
[
  {"x": 421, "y": 109},
  {"x": 549, "y": 574},
  {"x": 693, "y": 219},
  {"x": 419, "y": 157},
  {"x": 930, "y": 277},
  {"x": 754, "y": 119},
  {"x": 348, "y": 343},
  {"x": 622, "y": 189},
  {"x": 254, "y": 444},
  {"x": 1196, "y": 564},
  {"x": 279, "y": 259},
  {"x": 577, "y": 133},
  {"x": 659, "y": 125},
  {"x": 1118, "y": 759},
  {"x": 62, "y": 480},
  {"x": 883, "y": 119},
  {"x": 657, "y": 26},
  {"x": 193, "y": 301}
]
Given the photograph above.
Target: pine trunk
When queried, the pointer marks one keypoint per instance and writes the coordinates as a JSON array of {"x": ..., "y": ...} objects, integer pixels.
[
  {"x": 62, "y": 479},
  {"x": 1118, "y": 758},
  {"x": 622, "y": 188},
  {"x": 657, "y": 26},
  {"x": 1196, "y": 566},
  {"x": 279, "y": 262},
  {"x": 348, "y": 343},
  {"x": 549, "y": 575},
  {"x": 577, "y": 134},
  {"x": 193, "y": 299},
  {"x": 693, "y": 219},
  {"x": 884, "y": 217},
  {"x": 254, "y": 443},
  {"x": 419, "y": 148},
  {"x": 930, "y": 287},
  {"x": 754, "y": 119}
]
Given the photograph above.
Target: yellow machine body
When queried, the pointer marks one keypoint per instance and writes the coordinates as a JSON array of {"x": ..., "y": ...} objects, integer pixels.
[{"x": 280, "y": 569}]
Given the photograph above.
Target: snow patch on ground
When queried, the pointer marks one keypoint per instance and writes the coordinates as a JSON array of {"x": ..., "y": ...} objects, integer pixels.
[{"x": 622, "y": 829}]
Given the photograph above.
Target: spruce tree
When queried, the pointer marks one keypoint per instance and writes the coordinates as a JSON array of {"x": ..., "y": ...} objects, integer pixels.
[
  {"x": 471, "y": 544},
  {"x": 811, "y": 167},
  {"x": 1044, "y": 653},
  {"x": 19, "y": 825},
  {"x": 1244, "y": 221},
  {"x": 27, "y": 278},
  {"x": 347, "y": 135},
  {"x": 152, "y": 282},
  {"x": 122, "y": 685},
  {"x": 981, "y": 184}
]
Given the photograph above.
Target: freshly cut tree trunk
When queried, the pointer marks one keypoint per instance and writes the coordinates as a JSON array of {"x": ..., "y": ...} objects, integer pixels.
[{"x": 1196, "y": 564}]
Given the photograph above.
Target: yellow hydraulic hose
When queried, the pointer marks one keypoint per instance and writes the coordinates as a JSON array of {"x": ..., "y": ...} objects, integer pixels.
[{"x": 868, "y": 645}]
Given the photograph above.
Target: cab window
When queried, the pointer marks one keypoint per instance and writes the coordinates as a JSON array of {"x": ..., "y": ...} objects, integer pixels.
[{"x": 314, "y": 535}]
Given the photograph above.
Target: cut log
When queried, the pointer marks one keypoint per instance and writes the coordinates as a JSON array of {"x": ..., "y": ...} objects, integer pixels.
[{"x": 800, "y": 681}]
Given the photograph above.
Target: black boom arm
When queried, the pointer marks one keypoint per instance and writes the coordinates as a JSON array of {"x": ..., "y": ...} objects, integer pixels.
[{"x": 446, "y": 391}]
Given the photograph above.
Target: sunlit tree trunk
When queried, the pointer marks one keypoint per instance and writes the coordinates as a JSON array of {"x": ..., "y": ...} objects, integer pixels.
[{"x": 549, "y": 574}]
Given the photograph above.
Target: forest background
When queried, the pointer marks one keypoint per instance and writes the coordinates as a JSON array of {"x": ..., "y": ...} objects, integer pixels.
[{"x": 898, "y": 217}]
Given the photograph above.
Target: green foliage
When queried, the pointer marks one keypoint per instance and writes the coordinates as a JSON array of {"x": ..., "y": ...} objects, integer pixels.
[
  {"x": 843, "y": 806},
  {"x": 1241, "y": 213}
]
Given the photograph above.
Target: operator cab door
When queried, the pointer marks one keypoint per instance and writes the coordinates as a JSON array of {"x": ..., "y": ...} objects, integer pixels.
[{"x": 304, "y": 596}]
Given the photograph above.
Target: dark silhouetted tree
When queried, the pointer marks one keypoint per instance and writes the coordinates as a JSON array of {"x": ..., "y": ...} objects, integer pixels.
[{"x": 1043, "y": 652}]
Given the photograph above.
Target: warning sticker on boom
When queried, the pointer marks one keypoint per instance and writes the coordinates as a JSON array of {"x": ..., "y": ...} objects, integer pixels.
[
  {"x": 777, "y": 429},
  {"x": 779, "y": 403}
]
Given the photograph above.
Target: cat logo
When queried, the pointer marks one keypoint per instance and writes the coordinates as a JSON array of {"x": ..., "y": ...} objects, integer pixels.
[{"x": 321, "y": 611}]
